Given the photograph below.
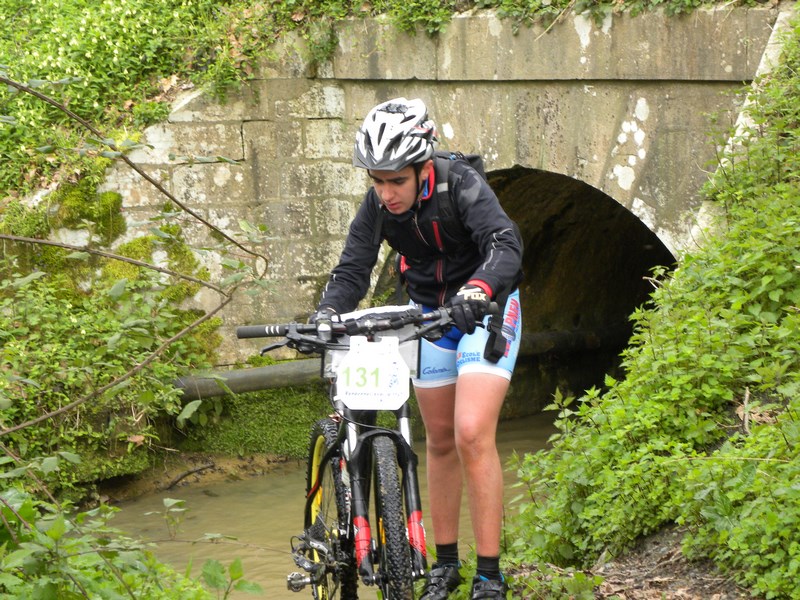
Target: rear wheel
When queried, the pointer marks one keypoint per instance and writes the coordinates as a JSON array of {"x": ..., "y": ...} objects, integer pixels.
[
  {"x": 394, "y": 553},
  {"x": 326, "y": 518}
]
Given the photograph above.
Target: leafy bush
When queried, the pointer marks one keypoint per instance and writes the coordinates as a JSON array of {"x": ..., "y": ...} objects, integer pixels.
[
  {"x": 46, "y": 554},
  {"x": 704, "y": 428},
  {"x": 57, "y": 347}
]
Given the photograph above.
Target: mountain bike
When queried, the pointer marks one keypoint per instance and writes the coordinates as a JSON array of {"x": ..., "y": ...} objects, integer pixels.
[{"x": 353, "y": 460}]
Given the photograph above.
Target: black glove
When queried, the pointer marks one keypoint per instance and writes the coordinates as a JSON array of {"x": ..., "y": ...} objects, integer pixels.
[
  {"x": 322, "y": 319},
  {"x": 468, "y": 307}
]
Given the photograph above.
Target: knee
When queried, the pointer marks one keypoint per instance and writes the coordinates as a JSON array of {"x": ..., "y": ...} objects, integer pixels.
[
  {"x": 440, "y": 442},
  {"x": 473, "y": 440}
]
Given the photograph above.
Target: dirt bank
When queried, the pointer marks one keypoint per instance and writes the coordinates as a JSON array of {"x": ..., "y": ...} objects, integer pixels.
[
  {"x": 657, "y": 570},
  {"x": 185, "y": 469}
]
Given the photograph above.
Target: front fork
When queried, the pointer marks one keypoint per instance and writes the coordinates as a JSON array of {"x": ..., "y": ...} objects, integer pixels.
[{"x": 359, "y": 465}]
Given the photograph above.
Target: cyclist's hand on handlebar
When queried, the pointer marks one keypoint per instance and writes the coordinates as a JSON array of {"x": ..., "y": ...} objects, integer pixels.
[{"x": 468, "y": 307}]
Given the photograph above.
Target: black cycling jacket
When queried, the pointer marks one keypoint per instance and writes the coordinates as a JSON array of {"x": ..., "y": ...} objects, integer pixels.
[{"x": 435, "y": 263}]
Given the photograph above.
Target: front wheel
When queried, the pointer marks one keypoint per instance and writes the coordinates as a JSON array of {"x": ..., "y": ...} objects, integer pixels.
[
  {"x": 327, "y": 514},
  {"x": 393, "y": 551}
]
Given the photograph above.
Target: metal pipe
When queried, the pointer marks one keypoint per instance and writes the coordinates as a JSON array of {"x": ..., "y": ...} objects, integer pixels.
[{"x": 239, "y": 381}]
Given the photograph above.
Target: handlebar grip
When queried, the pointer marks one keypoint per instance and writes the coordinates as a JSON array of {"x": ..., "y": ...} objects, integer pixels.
[
  {"x": 259, "y": 331},
  {"x": 280, "y": 330}
]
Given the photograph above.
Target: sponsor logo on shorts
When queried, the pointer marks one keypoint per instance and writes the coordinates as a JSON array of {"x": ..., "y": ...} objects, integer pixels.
[
  {"x": 433, "y": 371},
  {"x": 468, "y": 357},
  {"x": 511, "y": 323}
]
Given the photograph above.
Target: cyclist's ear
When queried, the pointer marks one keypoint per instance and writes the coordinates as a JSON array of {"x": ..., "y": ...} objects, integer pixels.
[{"x": 425, "y": 170}]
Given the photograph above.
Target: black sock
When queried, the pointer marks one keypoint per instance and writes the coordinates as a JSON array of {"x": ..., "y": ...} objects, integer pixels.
[
  {"x": 447, "y": 554},
  {"x": 489, "y": 567}
]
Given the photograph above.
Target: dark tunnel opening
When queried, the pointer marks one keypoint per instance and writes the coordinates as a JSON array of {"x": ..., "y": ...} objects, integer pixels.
[{"x": 586, "y": 264}]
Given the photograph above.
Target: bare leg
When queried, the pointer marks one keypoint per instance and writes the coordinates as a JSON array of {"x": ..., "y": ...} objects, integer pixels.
[
  {"x": 437, "y": 406},
  {"x": 479, "y": 398}
]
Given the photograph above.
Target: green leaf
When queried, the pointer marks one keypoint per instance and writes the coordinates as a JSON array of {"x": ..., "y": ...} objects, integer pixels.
[
  {"x": 249, "y": 587},
  {"x": 235, "y": 569},
  {"x": 158, "y": 233},
  {"x": 214, "y": 575},
  {"x": 172, "y": 502},
  {"x": 50, "y": 464},
  {"x": 118, "y": 289},
  {"x": 9, "y": 581},
  {"x": 231, "y": 279},
  {"x": 188, "y": 411},
  {"x": 231, "y": 263},
  {"x": 23, "y": 281},
  {"x": 57, "y": 528},
  {"x": 14, "y": 473},
  {"x": 70, "y": 457}
]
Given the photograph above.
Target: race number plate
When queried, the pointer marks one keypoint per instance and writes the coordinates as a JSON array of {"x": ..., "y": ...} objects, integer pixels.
[{"x": 373, "y": 375}]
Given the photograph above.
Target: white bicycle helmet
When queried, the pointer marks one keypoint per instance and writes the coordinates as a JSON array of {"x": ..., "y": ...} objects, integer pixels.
[{"x": 395, "y": 134}]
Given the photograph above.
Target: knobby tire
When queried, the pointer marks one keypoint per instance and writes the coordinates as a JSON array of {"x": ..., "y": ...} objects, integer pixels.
[
  {"x": 394, "y": 554},
  {"x": 327, "y": 516}
]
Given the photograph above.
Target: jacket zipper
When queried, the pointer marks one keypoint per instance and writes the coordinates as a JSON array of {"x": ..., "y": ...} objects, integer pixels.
[
  {"x": 419, "y": 231},
  {"x": 439, "y": 270}
]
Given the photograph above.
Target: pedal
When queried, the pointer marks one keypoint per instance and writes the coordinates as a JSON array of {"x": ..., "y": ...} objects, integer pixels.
[{"x": 295, "y": 582}]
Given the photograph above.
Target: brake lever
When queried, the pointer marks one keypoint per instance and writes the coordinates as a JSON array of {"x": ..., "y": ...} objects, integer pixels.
[
  {"x": 266, "y": 349},
  {"x": 442, "y": 324}
]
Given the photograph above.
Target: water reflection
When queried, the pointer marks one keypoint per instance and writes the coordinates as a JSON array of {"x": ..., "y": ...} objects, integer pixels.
[{"x": 262, "y": 514}]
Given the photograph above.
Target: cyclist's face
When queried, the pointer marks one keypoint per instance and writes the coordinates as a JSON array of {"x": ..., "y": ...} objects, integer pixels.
[{"x": 398, "y": 190}]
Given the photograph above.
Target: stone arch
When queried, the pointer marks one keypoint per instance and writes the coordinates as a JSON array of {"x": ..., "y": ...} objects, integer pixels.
[{"x": 587, "y": 264}]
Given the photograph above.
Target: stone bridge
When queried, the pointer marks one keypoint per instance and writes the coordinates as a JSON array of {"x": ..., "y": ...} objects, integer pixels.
[{"x": 595, "y": 138}]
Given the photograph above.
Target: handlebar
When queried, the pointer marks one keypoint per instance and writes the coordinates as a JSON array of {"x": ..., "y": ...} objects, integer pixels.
[
  {"x": 306, "y": 337},
  {"x": 364, "y": 325}
]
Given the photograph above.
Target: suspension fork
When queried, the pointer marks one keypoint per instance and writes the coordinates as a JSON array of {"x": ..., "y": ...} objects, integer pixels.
[
  {"x": 408, "y": 461},
  {"x": 359, "y": 464}
]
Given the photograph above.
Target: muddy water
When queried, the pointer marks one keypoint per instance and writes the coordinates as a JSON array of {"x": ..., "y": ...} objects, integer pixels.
[{"x": 258, "y": 516}]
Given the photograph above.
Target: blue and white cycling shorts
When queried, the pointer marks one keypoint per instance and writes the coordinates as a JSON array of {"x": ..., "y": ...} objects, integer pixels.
[{"x": 443, "y": 360}]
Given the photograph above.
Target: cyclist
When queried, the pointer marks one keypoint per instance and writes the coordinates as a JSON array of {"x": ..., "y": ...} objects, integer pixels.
[{"x": 460, "y": 393}]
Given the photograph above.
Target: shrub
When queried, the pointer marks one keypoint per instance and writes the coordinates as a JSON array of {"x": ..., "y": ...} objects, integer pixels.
[
  {"x": 704, "y": 428},
  {"x": 58, "y": 347}
]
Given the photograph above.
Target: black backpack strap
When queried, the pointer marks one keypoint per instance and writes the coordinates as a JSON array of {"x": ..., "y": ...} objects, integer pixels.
[{"x": 450, "y": 219}]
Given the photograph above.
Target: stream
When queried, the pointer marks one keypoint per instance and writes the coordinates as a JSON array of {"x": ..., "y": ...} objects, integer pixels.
[{"x": 258, "y": 516}]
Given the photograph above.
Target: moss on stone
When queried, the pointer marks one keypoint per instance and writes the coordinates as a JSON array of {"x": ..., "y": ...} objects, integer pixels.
[
  {"x": 79, "y": 205},
  {"x": 270, "y": 421},
  {"x": 180, "y": 258}
]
